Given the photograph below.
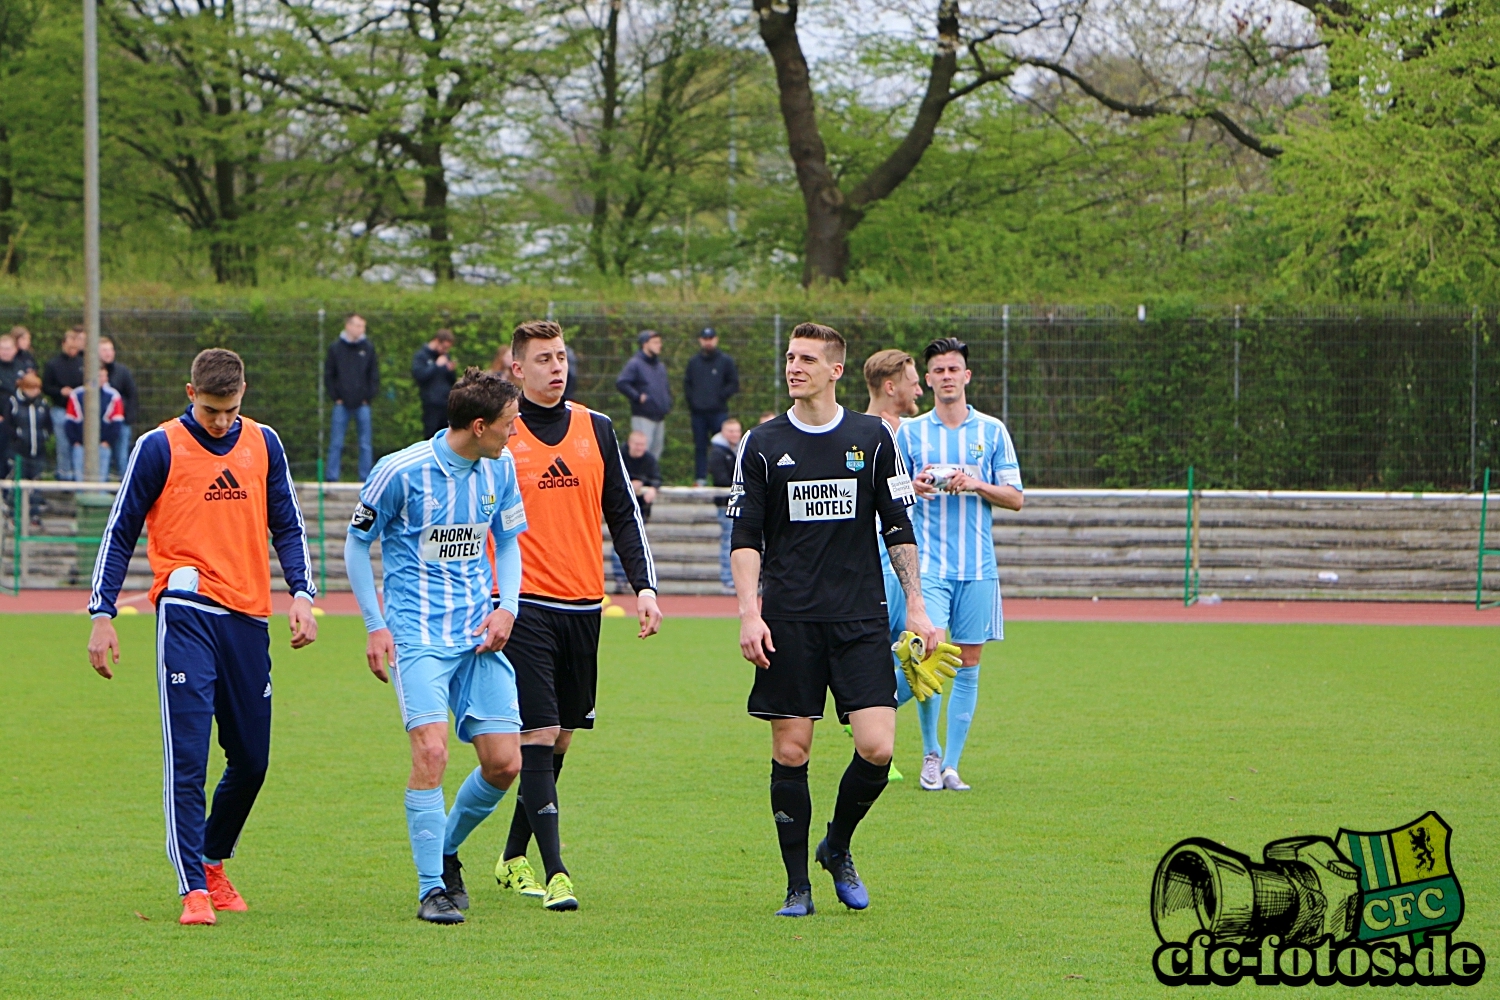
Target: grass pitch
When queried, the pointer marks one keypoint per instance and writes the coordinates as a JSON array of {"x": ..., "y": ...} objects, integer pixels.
[{"x": 1095, "y": 747}]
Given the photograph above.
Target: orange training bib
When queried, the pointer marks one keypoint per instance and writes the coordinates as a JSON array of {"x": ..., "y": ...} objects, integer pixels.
[
  {"x": 562, "y": 550},
  {"x": 211, "y": 515}
]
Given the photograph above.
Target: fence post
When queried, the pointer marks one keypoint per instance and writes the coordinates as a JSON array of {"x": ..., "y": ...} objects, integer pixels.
[
  {"x": 1005, "y": 364},
  {"x": 1473, "y": 394},
  {"x": 775, "y": 359},
  {"x": 318, "y": 367},
  {"x": 20, "y": 512},
  {"x": 1189, "y": 549},
  {"x": 322, "y": 535},
  {"x": 1236, "y": 395},
  {"x": 1484, "y": 514}
]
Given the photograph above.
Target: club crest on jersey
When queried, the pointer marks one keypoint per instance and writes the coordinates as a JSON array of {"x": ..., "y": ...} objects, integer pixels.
[
  {"x": 976, "y": 450},
  {"x": 854, "y": 460},
  {"x": 486, "y": 504}
]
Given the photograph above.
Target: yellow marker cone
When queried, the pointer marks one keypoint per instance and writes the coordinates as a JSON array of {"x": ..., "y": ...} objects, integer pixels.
[
  {"x": 319, "y": 612},
  {"x": 129, "y": 609},
  {"x": 614, "y": 611}
]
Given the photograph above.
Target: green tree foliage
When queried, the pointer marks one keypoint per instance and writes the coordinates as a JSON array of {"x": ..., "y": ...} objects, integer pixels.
[{"x": 1393, "y": 192}]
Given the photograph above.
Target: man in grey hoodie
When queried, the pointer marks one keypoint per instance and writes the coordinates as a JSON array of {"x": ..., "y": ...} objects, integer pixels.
[{"x": 644, "y": 382}]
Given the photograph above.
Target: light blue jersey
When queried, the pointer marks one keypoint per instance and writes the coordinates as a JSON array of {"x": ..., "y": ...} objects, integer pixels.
[
  {"x": 432, "y": 509},
  {"x": 953, "y": 531}
]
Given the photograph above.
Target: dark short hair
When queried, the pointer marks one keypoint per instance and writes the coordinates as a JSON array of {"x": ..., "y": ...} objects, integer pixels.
[
  {"x": 218, "y": 372},
  {"x": 532, "y": 329},
  {"x": 350, "y": 316},
  {"x": 827, "y": 334},
  {"x": 479, "y": 395},
  {"x": 945, "y": 345},
  {"x": 444, "y": 334},
  {"x": 76, "y": 328}
]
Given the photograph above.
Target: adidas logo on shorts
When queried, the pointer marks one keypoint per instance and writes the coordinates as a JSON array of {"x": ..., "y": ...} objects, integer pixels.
[
  {"x": 550, "y": 809},
  {"x": 781, "y": 817}
]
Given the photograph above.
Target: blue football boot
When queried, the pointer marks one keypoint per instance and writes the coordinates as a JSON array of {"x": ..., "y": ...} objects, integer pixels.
[
  {"x": 846, "y": 883},
  {"x": 798, "y": 903}
]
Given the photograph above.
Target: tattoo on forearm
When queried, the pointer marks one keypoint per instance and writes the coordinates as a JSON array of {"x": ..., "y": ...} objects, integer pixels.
[{"x": 904, "y": 562}]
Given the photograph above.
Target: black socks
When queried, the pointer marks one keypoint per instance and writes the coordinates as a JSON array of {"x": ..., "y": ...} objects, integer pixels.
[
  {"x": 860, "y": 787},
  {"x": 520, "y": 825},
  {"x": 791, "y": 808},
  {"x": 537, "y": 804}
]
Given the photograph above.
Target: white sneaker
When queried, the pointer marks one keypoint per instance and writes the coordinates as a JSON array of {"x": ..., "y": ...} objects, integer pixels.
[
  {"x": 953, "y": 782},
  {"x": 932, "y": 778}
]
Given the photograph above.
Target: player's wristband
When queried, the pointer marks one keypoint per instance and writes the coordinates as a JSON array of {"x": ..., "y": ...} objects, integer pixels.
[{"x": 646, "y": 592}]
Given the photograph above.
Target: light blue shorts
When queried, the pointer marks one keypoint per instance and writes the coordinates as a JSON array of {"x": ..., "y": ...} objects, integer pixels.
[
  {"x": 969, "y": 609},
  {"x": 895, "y": 603},
  {"x": 479, "y": 689}
]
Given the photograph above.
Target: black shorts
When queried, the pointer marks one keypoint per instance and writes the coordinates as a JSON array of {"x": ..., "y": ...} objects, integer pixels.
[
  {"x": 556, "y": 656},
  {"x": 851, "y": 658}
]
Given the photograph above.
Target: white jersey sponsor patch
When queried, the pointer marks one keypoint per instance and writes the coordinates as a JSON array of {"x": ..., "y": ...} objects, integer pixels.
[
  {"x": 512, "y": 516},
  {"x": 822, "y": 499},
  {"x": 900, "y": 487},
  {"x": 453, "y": 542}
]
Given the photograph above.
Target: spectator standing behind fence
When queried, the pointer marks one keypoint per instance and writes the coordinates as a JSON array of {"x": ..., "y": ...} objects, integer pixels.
[
  {"x": 434, "y": 372},
  {"x": 23, "y": 346},
  {"x": 111, "y": 419},
  {"x": 644, "y": 382},
  {"x": 12, "y": 367},
  {"x": 63, "y": 374},
  {"x": 645, "y": 478},
  {"x": 707, "y": 385},
  {"x": 721, "y": 452},
  {"x": 124, "y": 382},
  {"x": 30, "y": 424},
  {"x": 351, "y": 374}
]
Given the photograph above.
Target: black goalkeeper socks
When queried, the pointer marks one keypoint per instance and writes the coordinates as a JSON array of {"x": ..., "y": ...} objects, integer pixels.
[
  {"x": 791, "y": 808},
  {"x": 539, "y": 793},
  {"x": 520, "y": 824},
  {"x": 860, "y": 787}
]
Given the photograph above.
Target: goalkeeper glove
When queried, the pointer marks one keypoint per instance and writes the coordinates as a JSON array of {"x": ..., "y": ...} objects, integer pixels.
[
  {"x": 938, "y": 666},
  {"x": 910, "y": 651}
]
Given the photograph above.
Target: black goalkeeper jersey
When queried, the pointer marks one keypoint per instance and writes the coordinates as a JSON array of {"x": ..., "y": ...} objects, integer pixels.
[{"x": 808, "y": 500}]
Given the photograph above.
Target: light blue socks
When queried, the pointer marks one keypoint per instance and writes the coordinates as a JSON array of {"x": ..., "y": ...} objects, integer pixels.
[
  {"x": 472, "y": 806},
  {"x": 425, "y": 822},
  {"x": 927, "y": 713},
  {"x": 961, "y": 702}
]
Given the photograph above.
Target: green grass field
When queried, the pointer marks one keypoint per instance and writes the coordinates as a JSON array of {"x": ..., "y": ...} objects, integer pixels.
[{"x": 1095, "y": 748}]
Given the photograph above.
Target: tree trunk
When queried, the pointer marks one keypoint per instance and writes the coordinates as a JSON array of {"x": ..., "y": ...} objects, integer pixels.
[
  {"x": 227, "y": 253},
  {"x": 11, "y": 256},
  {"x": 826, "y": 253},
  {"x": 435, "y": 210},
  {"x": 609, "y": 71}
]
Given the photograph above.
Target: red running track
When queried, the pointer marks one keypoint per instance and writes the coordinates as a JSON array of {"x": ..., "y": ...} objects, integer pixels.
[{"x": 1017, "y": 609}]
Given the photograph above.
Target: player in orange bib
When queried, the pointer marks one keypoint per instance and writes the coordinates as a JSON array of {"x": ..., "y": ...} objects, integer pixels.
[
  {"x": 571, "y": 475},
  {"x": 210, "y": 486}
]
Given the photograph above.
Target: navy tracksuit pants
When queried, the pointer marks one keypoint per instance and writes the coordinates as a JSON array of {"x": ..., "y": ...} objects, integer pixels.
[{"x": 211, "y": 663}]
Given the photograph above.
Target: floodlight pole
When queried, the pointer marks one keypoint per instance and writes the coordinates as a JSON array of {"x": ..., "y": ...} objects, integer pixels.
[{"x": 91, "y": 471}]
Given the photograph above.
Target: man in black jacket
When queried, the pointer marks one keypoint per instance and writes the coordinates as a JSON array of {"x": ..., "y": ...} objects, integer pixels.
[
  {"x": 351, "y": 374},
  {"x": 644, "y": 382},
  {"x": 709, "y": 382},
  {"x": 434, "y": 372},
  {"x": 63, "y": 374},
  {"x": 124, "y": 383}
]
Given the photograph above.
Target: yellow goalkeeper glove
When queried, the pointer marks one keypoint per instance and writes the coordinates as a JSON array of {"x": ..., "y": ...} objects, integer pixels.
[
  {"x": 909, "y": 651},
  {"x": 938, "y": 666}
]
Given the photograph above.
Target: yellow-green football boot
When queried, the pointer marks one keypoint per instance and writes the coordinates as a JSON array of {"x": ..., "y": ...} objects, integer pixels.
[
  {"x": 560, "y": 894},
  {"x": 518, "y": 876}
]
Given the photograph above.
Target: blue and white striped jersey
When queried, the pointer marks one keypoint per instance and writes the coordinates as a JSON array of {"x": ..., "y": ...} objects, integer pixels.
[
  {"x": 432, "y": 509},
  {"x": 953, "y": 531}
]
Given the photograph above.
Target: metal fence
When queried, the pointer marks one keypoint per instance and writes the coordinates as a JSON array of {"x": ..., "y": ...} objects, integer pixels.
[{"x": 1254, "y": 398}]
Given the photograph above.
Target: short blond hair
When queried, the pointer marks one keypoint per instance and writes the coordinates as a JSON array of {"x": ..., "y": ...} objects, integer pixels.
[{"x": 886, "y": 364}]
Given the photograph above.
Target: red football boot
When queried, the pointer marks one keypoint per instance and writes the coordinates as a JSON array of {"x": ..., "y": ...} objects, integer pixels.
[
  {"x": 197, "y": 908},
  {"x": 221, "y": 891}
]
